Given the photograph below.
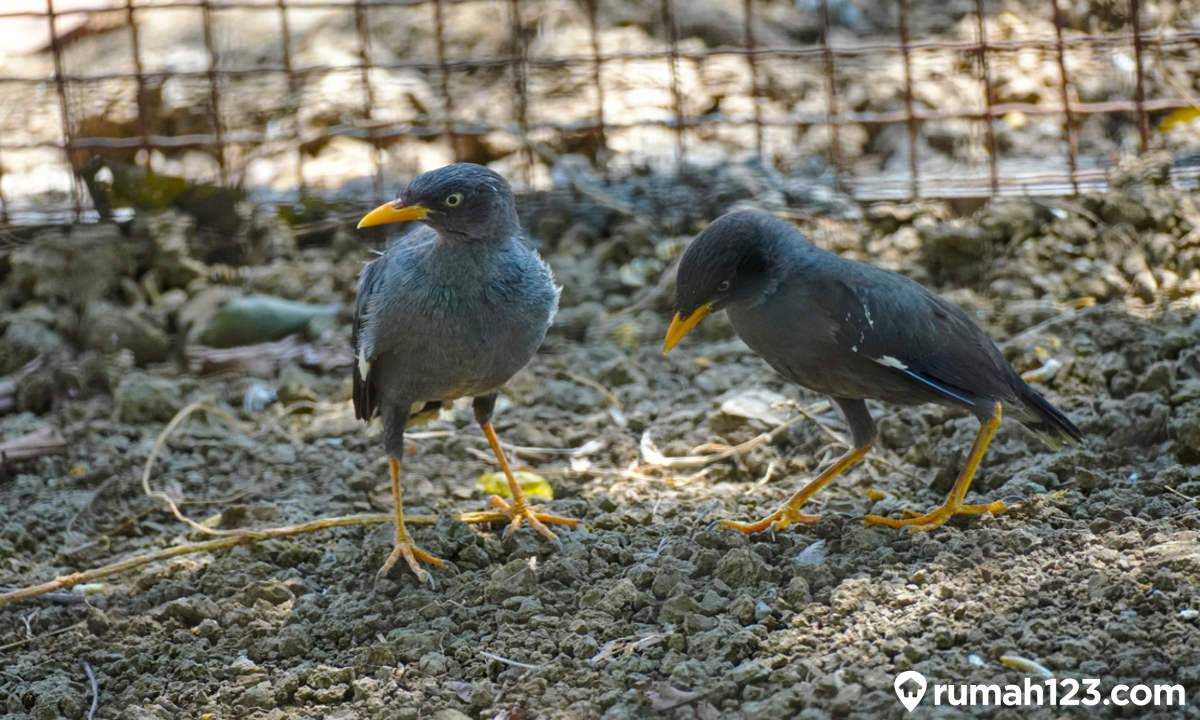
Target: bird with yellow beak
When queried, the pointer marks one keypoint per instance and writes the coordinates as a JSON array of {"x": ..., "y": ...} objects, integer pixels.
[
  {"x": 853, "y": 332},
  {"x": 451, "y": 310}
]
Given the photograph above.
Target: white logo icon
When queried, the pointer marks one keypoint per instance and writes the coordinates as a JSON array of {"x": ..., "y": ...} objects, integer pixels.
[{"x": 910, "y": 697}]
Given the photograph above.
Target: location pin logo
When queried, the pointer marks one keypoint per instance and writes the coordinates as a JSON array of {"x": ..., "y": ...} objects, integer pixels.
[{"x": 910, "y": 697}]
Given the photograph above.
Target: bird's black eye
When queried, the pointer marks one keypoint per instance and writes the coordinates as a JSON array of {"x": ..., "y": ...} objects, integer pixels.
[
  {"x": 724, "y": 286},
  {"x": 453, "y": 200}
]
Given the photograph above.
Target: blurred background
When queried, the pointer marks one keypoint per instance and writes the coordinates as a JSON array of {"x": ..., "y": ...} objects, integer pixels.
[{"x": 290, "y": 99}]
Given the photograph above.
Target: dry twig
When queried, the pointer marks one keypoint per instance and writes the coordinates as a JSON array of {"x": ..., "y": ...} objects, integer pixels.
[
  {"x": 626, "y": 646},
  {"x": 240, "y": 537},
  {"x": 509, "y": 661},
  {"x": 39, "y": 443},
  {"x": 9, "y": 383},
  {"x": 269, "y": 355},
  {"x": 160, "y": 442},
  {"x": 226, "y": 538},
  {"x": 95, "y": 685},
  {"x": 1189, "y": 498},
  {"x": 651, "y": 455},
  {"x": 52, "y": 633},
  {"x": 1037, "y": 328}
]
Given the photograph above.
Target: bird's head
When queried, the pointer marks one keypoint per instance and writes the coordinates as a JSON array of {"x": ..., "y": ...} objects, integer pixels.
[
  {"x": 463, "y": 201},
  {"x": 729, "y": 262}
]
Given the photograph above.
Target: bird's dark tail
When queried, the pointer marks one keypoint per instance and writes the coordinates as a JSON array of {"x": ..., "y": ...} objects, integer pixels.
[{"x": 1045, "y": 420}]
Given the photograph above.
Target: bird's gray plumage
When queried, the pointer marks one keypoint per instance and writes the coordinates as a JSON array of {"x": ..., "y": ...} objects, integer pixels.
[
  {"x": 850, "y": 330},
  {"x": 450, "y": 310}
]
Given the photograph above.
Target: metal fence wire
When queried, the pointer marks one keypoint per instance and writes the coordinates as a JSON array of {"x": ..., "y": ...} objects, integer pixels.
[{"x": 49, "y": 119}]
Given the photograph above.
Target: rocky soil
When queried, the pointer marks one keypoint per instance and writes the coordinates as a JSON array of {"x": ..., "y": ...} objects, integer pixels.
[{"x": 647, "y": 610}]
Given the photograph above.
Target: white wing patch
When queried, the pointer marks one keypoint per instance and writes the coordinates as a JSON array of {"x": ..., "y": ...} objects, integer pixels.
[
  {"x": 889, "y": 361},
  {"x": 364, "y": 366}
]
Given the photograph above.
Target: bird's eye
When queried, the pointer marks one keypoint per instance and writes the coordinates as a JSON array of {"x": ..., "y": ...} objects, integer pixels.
[
  {"x": 453, "y": 200},
  {"x": 724, "y": 286}
]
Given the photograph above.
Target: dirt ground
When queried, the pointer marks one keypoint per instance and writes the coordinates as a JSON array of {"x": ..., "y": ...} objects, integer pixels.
[{"x": 648, "y": 610}]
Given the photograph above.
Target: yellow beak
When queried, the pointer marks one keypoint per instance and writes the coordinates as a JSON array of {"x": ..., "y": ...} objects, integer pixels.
[
  {"x": 392, "y": 213},
  {"x": 681, "y": 326}
]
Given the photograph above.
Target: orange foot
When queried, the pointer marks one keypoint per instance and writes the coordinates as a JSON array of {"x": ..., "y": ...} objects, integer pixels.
[
  {"x": 414, "y": 556},
  {"x": 516, "y": 513},
  {"x": 781, "y": 518},
  {"x": 916, "y": 522}
]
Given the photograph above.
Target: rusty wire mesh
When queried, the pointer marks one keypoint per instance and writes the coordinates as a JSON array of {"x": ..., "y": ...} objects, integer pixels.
[{"x": 74, "y": 143}]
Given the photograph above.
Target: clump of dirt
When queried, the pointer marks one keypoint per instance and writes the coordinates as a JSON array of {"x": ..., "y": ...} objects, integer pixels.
[{"x": 648, "y": 609}]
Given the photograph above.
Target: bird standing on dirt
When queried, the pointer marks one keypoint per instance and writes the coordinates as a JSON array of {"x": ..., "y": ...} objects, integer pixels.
[
  {"x": 854, "y": 332},
  {"x": 451, "y": 310}
]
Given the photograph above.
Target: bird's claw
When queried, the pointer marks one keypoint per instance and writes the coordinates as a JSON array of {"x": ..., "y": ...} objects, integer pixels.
[
  {"x": 414, "y": 556},
  {"x": 517, "y": 513},
  {"x": 915, "y": 522},
  {"x": 780, "y": 519}
]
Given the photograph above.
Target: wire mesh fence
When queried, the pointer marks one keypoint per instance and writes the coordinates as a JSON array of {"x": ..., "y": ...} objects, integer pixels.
[{"x": 224, "y": 91}]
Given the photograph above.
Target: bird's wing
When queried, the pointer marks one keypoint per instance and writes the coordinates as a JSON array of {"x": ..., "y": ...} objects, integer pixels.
[
  {"x": 362, "y": 337},
  {"x": 899, "y": 324}
]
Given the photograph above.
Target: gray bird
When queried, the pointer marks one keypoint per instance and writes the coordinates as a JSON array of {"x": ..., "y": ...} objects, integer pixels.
[
  {"x": 853, "y": 332},
  {"x": 451, "y": 310}
]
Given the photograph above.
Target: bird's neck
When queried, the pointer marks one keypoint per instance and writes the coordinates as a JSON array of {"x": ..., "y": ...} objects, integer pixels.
[
  {"x": 455, "y": 258},
  {"x": 501, "y": 229}
]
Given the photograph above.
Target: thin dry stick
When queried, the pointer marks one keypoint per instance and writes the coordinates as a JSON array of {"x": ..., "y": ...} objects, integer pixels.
[
  {"x": 871, "y": 459},
  {"x": 159, "y": 443},
  {"x": 1173, "y": 491},
  {"x": 648, "y": 296},
  {"x": 9, "y": 383},
  {"x": 226, "y": 539},
  {"x": 608, "y": 394},
  {"x": 43, "y": 636},
  {"x": 625, "y": 646},
  {"x": 766, "y": 478},
  {"x": 821, "y": 407},
  {"x": 39, "y": 443},
  {"x": 95, "y": 684},
  {"x": 509, "y": 661},
  {"x": 653, "y": 456},
  {"x": 241, "y": 537},
  {"x": 1037, "y": 328},
  {"x": 591, "y": 447}
]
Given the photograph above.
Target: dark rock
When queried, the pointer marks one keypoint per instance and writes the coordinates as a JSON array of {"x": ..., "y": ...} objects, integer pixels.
[
  {"x": 25, "y": 339},
  {"x": 108, "y": 328},
  {"x": 141, "y": 398},
  {"x": 511, "y": 579}
]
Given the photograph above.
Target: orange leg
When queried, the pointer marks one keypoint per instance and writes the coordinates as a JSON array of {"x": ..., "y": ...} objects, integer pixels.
[
  {"x": 403, "y": 546},
  {"x": 954, "y": 501},
  {"x": 518, "y": 511},
  {"x": 790, "y": 512}
]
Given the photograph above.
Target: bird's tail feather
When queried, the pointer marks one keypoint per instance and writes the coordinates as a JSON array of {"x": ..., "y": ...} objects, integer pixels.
[{"x": 1046, "y": 421}]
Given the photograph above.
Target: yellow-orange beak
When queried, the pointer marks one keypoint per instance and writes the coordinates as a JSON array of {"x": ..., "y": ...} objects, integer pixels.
[
  {"x": 681, "y": 326},
  {"x": 392, "y": 213}
]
